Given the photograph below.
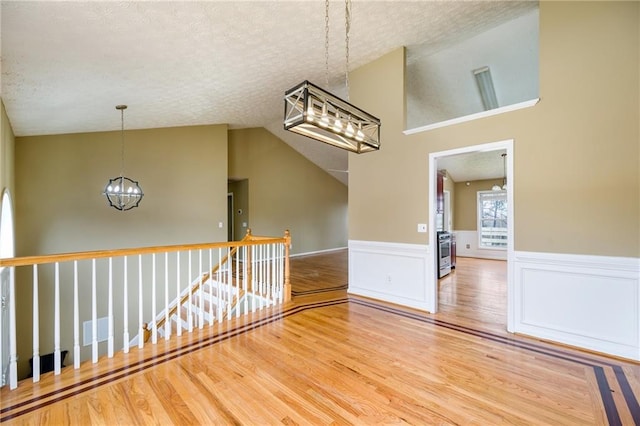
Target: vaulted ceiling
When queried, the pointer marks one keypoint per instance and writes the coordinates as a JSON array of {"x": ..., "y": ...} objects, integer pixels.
[{"x": 65, "y": 65}]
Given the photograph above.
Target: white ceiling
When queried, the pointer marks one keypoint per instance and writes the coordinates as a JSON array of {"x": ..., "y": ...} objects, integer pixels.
[
  {"x": 65, "y": 65},
  {"x": 472, "y": 166}
]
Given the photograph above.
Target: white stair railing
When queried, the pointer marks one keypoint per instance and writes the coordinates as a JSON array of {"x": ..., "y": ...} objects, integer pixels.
[{"x": 84, "y": 286}]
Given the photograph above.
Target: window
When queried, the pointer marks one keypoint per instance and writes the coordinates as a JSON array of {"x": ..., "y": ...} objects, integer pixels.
[{"x": 492, "y": 219}]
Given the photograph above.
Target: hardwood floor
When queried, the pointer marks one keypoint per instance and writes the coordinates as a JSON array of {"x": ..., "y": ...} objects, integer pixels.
[
  {"x": 330, "y": 358},
  {"x": 476, "y": 293}
]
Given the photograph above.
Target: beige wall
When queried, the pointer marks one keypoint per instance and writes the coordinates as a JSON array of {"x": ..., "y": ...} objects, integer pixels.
[
  {"x": 466, "y": 211},
  {"x": 7, "y": 143},
  {"x": 60, "y": 179},
  {"x": 287, "y": 191},
  {"x": 576, "y": 154}
]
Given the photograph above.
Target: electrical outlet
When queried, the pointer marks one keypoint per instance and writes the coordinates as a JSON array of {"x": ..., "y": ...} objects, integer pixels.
[
  {"x": 422, "y": 227},
  {"x": 468, "y": 246},
  {"x": 388, "y": 279}
]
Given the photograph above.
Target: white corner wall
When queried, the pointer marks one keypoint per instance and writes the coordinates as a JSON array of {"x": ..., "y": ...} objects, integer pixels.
[
  {"x": 592, "y": 302},
  {"x": 391, "y": 272}
]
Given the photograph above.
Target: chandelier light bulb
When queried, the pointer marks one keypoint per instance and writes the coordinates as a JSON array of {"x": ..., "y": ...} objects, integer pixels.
[
  {"x": 324, "y": 118},
  {"x": 337, "y": 125},
  {"x": 349, "y": 130},
  {"x": 359, "y": 134},
  {"x": 310, "y": 114}
]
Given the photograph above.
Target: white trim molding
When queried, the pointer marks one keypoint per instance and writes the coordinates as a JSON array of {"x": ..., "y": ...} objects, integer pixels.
[
  {"x": 592, "y": 302},
  {"x": 476, "y": 116},
  {"x": 391, "y": 272}
]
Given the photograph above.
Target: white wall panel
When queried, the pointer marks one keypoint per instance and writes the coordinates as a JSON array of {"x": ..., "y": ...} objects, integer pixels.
[
  {"x": 587, "y": 301},
  {"x": 391, "y": 272}
]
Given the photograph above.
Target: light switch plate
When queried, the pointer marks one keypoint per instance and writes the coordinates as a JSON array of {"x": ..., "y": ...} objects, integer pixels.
[{"x": 422, "y": 227}]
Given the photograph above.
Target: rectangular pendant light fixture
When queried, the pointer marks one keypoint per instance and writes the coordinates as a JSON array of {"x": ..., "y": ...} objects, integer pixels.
[{"x": 313, "y": 112}]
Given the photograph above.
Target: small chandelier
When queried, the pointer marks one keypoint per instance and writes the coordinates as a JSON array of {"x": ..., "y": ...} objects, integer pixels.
[
  {"x": 497, "y": 187},
  {"x": 122, "y": 192},
  {"x": 313, "y": 112}
]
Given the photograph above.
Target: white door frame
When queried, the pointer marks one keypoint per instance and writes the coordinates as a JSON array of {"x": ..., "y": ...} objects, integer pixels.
[{"x": 432, "y": 281}]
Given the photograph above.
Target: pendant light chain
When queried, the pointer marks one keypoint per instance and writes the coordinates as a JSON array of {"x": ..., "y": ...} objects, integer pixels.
[
  {"x": 326, "y": 42},
  {"x": 347, "y": 28},
  {"x": 122, "y": 108}
]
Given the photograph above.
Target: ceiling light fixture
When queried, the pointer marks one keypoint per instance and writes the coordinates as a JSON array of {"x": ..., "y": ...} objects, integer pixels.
[
  {"x": 121, "y": 192},
  {"x": 485, "y": 86},
  {"x": 313, "y": 112},
  {"x": 497, "y": 187}
]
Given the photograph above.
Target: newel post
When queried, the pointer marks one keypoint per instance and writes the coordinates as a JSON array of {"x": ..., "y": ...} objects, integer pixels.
[{"x": 287, "y": 282}]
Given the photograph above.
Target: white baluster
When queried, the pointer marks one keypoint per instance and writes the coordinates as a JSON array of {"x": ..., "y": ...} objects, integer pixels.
[
  {"x": 56, "y": 322},
  {"x": 281, "y": 277},
  {"x": 219, "y": 274},
  {"x": 36, "y": 327},
  {"x": 273, "y": 264},
  {"x": 167, "y": 324},
  {"x": 230, "y": 280},
  {"x": 76, "y": 318},
  {"x": 245, "y": 278},
  {"x": 240, "y": 251},
  {"x": 178, "y": 292},
  {"x": 94, "y": 314},
  {"x": 211, "y": 314},
  {"x": 110, "y": 311},
  {"x": 190, "y": 305},
  {"x": 125, "y": 302},
  {"x": 265, "y": 263},
  {"x": 13, "y": 347},
  {"x": 154, "y": 330},
  {"x": 200, "y": 292},
  {"x": 255, "y": 282},
  {"x": 140, "y": 305}
]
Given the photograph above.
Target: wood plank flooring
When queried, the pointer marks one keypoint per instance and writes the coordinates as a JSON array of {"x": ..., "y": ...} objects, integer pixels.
[{"x": 331, "y": 358}]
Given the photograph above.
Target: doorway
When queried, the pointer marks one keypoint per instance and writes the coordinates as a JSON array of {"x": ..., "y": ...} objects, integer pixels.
[
  {"x": 7, "y": 249},
  {"x": 432, "y": 281}
]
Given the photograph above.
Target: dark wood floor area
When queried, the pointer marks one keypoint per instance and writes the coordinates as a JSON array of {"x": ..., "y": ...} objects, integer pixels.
[{"x": 331, "y": 358}]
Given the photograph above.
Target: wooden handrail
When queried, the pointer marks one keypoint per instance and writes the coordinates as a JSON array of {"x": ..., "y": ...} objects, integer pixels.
[{"x": 101, "y": 254}]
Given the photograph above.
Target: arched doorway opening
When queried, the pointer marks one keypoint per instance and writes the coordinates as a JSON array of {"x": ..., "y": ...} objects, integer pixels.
[{"x": 7, "y": 249}]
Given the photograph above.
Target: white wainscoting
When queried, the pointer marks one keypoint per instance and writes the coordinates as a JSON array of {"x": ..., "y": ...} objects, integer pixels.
[
  {"x": 470, "y": 238},
  {"x": 588, "y": 301},
  {"x": 391, "y": 272}
]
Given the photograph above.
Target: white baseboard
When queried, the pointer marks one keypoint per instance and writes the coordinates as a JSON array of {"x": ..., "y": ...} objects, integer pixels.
[
  {"x": 318, "y": 252},
  {"x": 392, "y": 272},
  {"x": 591, "y": 302}
]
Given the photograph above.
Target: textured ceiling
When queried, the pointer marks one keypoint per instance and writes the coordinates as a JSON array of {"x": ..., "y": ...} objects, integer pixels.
[
  {"x": 472, "y": 166},
  {"x": 65, "y": 65}
]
